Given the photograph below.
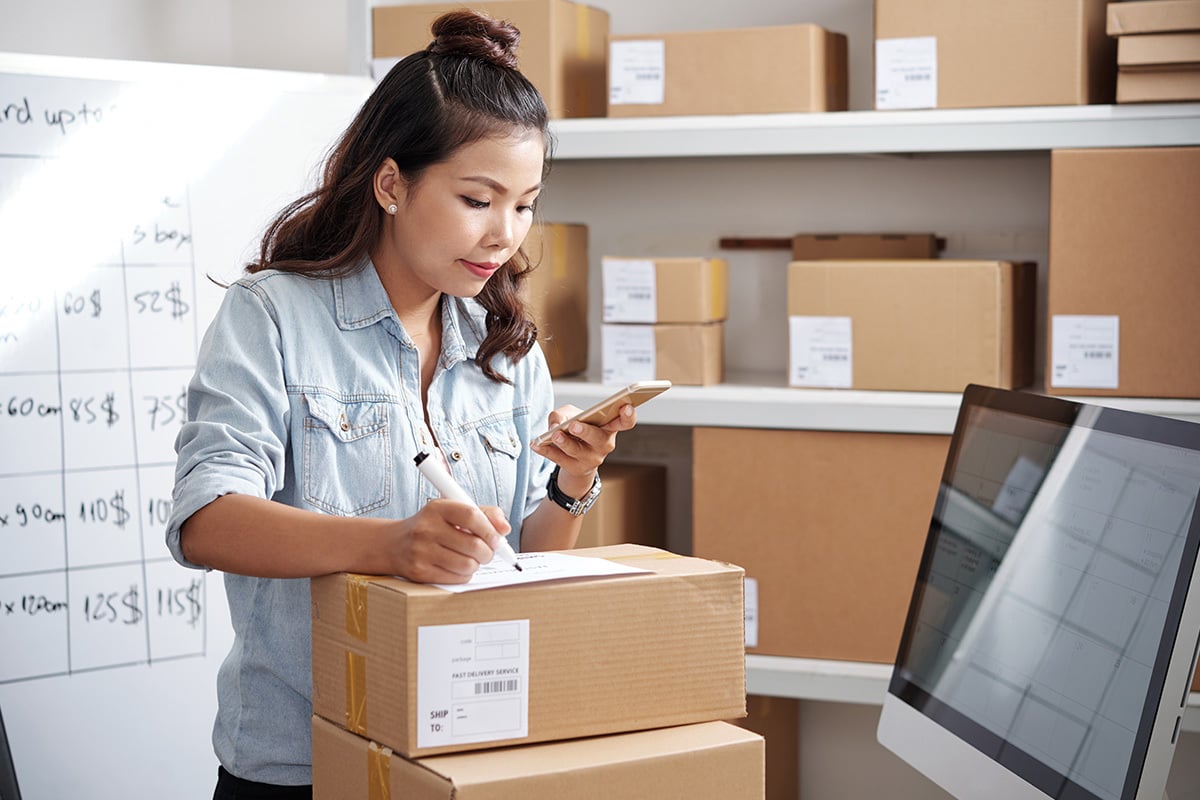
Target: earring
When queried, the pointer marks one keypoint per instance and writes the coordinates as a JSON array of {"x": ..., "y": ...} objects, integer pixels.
[{"x": 392, "y": 208}]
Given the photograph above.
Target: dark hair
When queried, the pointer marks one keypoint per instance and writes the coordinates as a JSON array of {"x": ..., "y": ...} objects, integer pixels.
[{"x": 463, "y": 87}]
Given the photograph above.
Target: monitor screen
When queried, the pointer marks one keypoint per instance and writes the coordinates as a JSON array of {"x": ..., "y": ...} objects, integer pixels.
[{"x": 1049, "y": 604}]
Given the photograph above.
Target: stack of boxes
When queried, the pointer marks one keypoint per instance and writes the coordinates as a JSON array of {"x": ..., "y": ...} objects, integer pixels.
[
  {"x": 556, "y": 293},
  {"x": 1158, "y": 49},
  {"x": 601, "y": 688},
  {"x": 664, "y": 319}
]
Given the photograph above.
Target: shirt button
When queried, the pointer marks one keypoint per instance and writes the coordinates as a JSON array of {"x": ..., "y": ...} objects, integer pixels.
[{"x": 456, "y": 456}]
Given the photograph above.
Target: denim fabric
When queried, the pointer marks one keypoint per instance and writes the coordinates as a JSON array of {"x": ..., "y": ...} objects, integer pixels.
[{"x": 308, "y": 392}]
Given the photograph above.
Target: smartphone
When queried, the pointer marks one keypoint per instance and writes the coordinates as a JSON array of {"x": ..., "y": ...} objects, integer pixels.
[{"x": 606, "y": 410}]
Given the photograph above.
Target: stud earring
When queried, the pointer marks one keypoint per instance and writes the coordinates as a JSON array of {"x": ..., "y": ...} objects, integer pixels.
[{"x": 392, "y": 208}]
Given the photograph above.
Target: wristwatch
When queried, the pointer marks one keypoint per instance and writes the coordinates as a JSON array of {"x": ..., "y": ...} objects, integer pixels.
[{"x": 573, "y": 507}]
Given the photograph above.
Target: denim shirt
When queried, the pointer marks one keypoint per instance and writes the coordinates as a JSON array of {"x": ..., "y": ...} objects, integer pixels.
[{"x": 308, "y": 392}]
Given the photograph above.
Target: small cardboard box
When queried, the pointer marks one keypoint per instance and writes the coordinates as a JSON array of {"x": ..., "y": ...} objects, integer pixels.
[
  {"x": 563, "y": 45},
  {"x": 832, "y": 539},
  {"x": 1156, "y": 51},
  {"x": 683, "y": 354},
  {"x": 980, "y": 53},
  {"x": 777, "y": 720},
  {"x": 651, "y": 290},
  {"x": 1158, "y": 87},
  {"x": 705, "y": 761},
  {"x": 632, "y": 508},
  {"x": 911, "y": 325},
  {"x": 600, "y": 656},
  {"x": 557, "y": 294},
  {"x": 1153, "y": 16},
  {"x": 1122, "y": 279},
  {"x": 823, "y": 246},
  {"x": 782, "y": 68}
]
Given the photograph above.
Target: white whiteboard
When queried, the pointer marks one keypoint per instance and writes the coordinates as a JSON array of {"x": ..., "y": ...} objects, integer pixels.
[{"x": 122, "y": 186}]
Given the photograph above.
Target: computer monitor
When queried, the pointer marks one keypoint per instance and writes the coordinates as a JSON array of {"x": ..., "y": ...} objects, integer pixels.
[{"x": 1051, "y": 638}]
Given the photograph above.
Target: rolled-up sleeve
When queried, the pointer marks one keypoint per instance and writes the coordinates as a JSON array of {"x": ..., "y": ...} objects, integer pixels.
[{"x": 234, "y": 439}]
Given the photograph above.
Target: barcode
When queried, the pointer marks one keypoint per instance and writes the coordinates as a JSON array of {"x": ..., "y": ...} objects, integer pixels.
[
  {"x": 1097, "y": 354},
  {"x": 918, "y": 76},
  {"x": 496, "y": 687},
  {"x": 641, "y": 295}
]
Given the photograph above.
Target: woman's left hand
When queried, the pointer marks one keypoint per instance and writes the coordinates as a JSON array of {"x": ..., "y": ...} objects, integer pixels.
[{"x": 580, "y": 449}]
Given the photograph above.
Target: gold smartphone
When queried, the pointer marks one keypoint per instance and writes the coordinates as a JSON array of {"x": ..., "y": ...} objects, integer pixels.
[{"x": 606, "y": 410}]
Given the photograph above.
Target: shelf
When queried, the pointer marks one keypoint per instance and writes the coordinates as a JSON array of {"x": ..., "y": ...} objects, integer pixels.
[
  {"x": 762, "y": 400},
  {"x": 857, "y": 132},
  {"x": 851, "y": 682}
]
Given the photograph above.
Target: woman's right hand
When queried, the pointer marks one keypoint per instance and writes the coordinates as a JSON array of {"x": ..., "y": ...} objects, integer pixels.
[{"x": 446, "y": 541}]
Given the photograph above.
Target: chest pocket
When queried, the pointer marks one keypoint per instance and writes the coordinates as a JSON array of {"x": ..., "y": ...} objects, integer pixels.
[
  {"x": 503, "y": 450},
  {"x": 347, "y": 456}
]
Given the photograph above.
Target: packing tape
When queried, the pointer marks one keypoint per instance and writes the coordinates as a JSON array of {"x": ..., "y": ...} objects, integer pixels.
[
  {"x": 583, "y": 46},
  {"x": 379, "y": 772},
  {"x": 356, "y": 606},
  {"x": 356, "y": 692},
  {"x": 717, "y": 287},
  {"x": 558, "y": 249}
]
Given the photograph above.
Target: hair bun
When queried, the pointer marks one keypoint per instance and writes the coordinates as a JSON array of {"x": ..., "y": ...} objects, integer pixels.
[{"x": 471, "y": 34}]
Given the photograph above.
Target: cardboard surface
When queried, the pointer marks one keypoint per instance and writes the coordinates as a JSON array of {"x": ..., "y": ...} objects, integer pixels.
[
  {"x": 1153, "y": 16},
  {"x": 1158, "y": 87},
  {"x": 925, "y": 325},
  {"x": 557, "y": 294},
  {"x": 783, "y": 68},
  {"x": 632, "y": 507},
  {"x": 1158, "y": 50},
  {"x": 777, "y": 720},
  {"x": 1123, "y": 242},
  {"x": 1015, "y": 53},
  {"x": 605, "y": 655},
  {"x": 820, "y": 246},
  {"x": 830, "y": 524},
  {"x": 705, "y": 761},
  {"x": 562, "y": 49},
  {"x": 686, "y": 290},
  {"x": 689, "y": 355}
]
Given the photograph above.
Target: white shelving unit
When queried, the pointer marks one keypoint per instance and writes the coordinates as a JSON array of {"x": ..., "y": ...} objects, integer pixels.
[{"x": 763, "y": 400}]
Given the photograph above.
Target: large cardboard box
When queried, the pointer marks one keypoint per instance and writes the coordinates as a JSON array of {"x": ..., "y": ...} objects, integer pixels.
[
  {"x": 599, "y": 655},
  {"x": 651, "y": 290},
  {"x": 777, "y": 720},
  {"x": 563, "y": 46},
  {"x": 632, "y": 507},
  {"x": 782, "y": 68},
  {"x": 1157, "y": 51},
  {"x": 1158, "y": 86},
  {"x": 1123, "y": 281},
  {"x": 705, "y": 761},
  {"x": 911, "y": 325},
  {"x": 829, "y": 527},
  {"x": 1153, "y": 16},
  {"x": 557, "y": 294},
  {"x": 822, "y": 246},
  {"x": 980, "y": 53},
  {"x": 684, "y": 354}
]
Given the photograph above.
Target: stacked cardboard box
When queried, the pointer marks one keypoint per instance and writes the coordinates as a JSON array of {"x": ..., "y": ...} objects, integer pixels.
[
  {"x": 664, "y": 319},
  {"x": 403, "y": 672},
  {"x": 783, "y": 68},
  {"x": 824, "y": 246},
  {"x": 557, "y": 294},
  {"x": 1158, "y": 50}
]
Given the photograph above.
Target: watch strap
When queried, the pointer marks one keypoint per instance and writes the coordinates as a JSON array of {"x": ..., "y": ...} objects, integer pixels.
[{"x": 573, "y": 506}]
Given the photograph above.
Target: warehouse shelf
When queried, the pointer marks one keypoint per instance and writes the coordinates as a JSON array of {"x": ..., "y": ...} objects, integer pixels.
[
  {"x": 851, "y": 682},
  {"x": 763, "y": 400},
  {"x": 880, "y": 132}
]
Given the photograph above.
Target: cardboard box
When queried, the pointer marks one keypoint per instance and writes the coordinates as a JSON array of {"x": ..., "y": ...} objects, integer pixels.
[
  {"x": 557, "y": 294},
  {"x": 1122, "y": 278},
  {"x": 1157, "y": 50},
  {"x": 1158, "y": 87},
  {"x": 563, "y": 45},
  {"x": 823, "y": 246},
  {"x": 651, "y": 290},
  {"x": 602, "y": 655},
  {"x": 1153, "y": 16},
  {"x": 683, "y": 354},
  {"x": 706, "y": 761},
  {"x": 777, "y": 720},
  {"x": 911, "y": 325},
  {"x": 764, "y": 70},
  {"x": 832, "y": 539},
  {"x": 980, "y": 53},
  {"x": 631, "y": 508}
]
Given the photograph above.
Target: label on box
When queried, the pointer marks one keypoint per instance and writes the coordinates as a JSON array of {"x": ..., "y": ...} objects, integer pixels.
[
  {"x": 628, "y": 353},
  {"x": 906, "y": 73},
  {"x": 629, "y": 290},
  {"x": 751, "y": 601},
  {"x": 1086, "y": 351},
  {"x": 472, "y": 682},
  {"x": 821, "y": 352},
  {"x": 637, "y": 72}
]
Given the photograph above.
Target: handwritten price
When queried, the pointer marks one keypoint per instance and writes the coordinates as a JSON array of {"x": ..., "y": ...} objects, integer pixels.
[
  {"x": 153, "y": 301},
  {"x": 113, "y": 607},
  {"x": 104, "y": 510}
]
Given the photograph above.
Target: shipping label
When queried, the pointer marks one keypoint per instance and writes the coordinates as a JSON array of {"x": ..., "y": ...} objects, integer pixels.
[
  {"x": 630, "y": 291},
  {"x": 821, "y": 352},
  {"x": 1085, "y": 351},
  {"x": 906, "y": 73},
  {"x": 637, "y": 72},
  {"x": 628, "y": 353}
]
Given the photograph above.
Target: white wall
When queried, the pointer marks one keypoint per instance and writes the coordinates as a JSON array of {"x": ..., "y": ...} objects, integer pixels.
[{"x": 985, "y": 205}]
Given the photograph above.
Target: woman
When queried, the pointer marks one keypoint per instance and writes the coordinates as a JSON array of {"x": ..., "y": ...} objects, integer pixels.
[{"x": 381, "y": 319}]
